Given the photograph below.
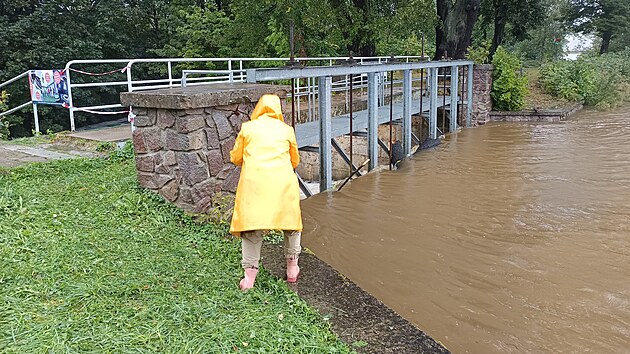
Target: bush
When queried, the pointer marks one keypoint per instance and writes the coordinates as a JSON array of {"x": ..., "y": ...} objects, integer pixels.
[
  {"x": 480, "y": 54},
  {"x": 508, "y": 87},
  {"x": 4, "y": 124},
  {"x": 602, "y": 81}
]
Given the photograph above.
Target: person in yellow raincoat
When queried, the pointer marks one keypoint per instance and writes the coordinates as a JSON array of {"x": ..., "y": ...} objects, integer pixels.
[{"x": 268, "y": 194}]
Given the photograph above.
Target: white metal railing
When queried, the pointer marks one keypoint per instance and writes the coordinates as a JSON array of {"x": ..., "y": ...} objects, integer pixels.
[{"x": 228, "y": 70}]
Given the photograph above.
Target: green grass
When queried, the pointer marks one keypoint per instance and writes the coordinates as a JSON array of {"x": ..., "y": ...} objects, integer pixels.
[{"x": 89, "y": 262}]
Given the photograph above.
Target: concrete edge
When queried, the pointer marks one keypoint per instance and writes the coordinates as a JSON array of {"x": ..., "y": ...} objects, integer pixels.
[
  {"x": 529, "y": 115},
  {"x": 355, "y": 315},
  {"x": 201, "y": 96}
]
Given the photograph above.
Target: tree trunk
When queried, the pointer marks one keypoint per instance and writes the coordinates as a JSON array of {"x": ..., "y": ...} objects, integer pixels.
[
  {"x": 606, "y": 36},
  {"x": 499, "y": 26},
  {"x": 453, "y": 31}
]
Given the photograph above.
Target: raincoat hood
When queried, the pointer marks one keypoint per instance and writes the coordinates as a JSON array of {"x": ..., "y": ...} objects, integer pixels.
[{"x": 268, "y": 105}]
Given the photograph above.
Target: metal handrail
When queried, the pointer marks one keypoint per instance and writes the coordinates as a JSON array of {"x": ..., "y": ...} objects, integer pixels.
[{"x": 232, "y": 75}]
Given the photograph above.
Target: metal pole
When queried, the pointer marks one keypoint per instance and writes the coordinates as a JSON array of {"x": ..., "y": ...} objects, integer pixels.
[
  {"x": 231, "y": 74},
  {"x": 372, "y": 120},
  {"x": 70, "y": 101},
  {"x": 351, "y": 130},
  {"x": 454, "y": 98},
  {"x": 407, "y": 96},
  {"x": 36, "y": 117},
  {"x": 433, "y": 97},
  {"x": 170, "y": 74},
  {"x": 469, "y": 95},
  {"x": 443, "y": 100},
  {"x": 293, "y": 103},
  {"x": 325, "y": 133},
  {"x": 391, "y": 114}
]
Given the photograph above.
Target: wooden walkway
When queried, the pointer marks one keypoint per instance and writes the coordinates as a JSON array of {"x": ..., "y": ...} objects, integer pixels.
[{"x": 307, "y": 134}]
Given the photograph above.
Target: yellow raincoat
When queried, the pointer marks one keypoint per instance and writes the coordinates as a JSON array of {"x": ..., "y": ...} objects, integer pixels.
[{"x": 268, "y": 194}]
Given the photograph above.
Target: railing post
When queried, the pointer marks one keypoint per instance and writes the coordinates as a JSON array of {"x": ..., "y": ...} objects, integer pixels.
[
  {"x": 407, "y": 93},
  {"x": 240, "y": 68},
  {"x": 325, "y": 133},
  {"x": 36, "y": 117},
  {"x": 231, "y": 74},
  {"x": 70, "y": 100},
  {"x": 454, "y": 99},
  {"x": 170, "y": 74},
  {"x": 469, "y": 95},
  {"x": 129, "y": 83},
  {"x": 372, "y": 121},
  {"x": 433, "y": 99}
]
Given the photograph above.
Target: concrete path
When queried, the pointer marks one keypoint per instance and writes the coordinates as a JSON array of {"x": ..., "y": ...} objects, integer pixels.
[
  {"x": 15, "y": 155},
  {"x": 109, "y": 134}
]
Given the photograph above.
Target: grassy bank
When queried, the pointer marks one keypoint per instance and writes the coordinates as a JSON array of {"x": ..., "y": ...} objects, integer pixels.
[{"x": 90, "y": 262}]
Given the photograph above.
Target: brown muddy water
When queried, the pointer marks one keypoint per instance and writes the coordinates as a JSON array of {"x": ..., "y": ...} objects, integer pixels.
[{"x": 509, "y": 238}]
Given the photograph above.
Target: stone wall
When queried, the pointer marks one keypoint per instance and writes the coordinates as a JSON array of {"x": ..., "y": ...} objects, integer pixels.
[
  {"x": 536, "y": 115},
  {"x": 183, "y": 139},
  {"x": 482, "y": 102}
]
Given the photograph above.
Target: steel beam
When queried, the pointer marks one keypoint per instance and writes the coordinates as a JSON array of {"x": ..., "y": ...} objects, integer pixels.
[
  {"x": 259, "y": 75},
  {"x": 307, "y": 192},
  {"x": 372, "y": 120},
  {"x": 469, "y": 95},
  {"x": 454, "y": 98},
  {"x": 343, "y": 155},
  {"x": 406, "y": 118},
  {"x": 433, "y": 99},
  {"x": 325, "y": 133}
]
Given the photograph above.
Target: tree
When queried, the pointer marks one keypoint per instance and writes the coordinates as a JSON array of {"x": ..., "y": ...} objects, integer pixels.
[
  {"x": 606, "y": 18},
  {"x": 453, "y": 31},
  {"x": 513, "y": 16}
]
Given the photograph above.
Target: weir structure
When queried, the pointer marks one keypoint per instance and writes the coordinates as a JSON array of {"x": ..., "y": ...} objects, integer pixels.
[
  {"x": 183, "y": 135},
  {"x": 324, "y": 131}
]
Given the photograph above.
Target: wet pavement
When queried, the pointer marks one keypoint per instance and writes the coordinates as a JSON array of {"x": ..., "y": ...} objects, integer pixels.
[{"x": 16, "y": 155}]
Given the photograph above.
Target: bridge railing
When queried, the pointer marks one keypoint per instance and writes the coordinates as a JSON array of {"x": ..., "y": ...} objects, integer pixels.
[{"x": 168, "y": 73}]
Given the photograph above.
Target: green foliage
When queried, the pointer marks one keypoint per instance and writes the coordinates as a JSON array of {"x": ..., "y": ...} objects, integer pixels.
[
  {"x": 4, "y": 124},
  {"x": 123, "y": 153},
  {"x": 609, "y": 19},
  {"x": 91, "y": 263},
  {"x": 600, "y": 81},
  {"x": 508, "y": 87},
  {"x": 480, "y": 54}
]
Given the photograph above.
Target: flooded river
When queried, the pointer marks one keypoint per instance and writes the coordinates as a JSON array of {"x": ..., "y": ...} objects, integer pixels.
[{"x": 508, "y": 238}]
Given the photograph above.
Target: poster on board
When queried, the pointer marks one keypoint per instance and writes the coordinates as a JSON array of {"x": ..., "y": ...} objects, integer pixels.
[{"x": 49, "y": 87}]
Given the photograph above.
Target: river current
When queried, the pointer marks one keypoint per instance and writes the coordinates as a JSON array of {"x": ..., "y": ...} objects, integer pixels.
[{"x": 507, "y": 238}]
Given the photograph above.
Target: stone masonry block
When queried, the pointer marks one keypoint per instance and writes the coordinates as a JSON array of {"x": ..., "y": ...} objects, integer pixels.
[
  {"x": 189, "y": 123},
  {"x": 145, "y": 120},
  {"x": 215, "y": 161},
  {"x": 153, "y": 138},
  {"x": 139, "y": 146},
  {"x": 145, "y": 163},
  {"x": 226, "y": 147},
  {"x": 184, "y": 142},
  {"x": 166, "y": 118},
  {"x": 224, "y": 129},
  {"x": 170, "y": 191}
]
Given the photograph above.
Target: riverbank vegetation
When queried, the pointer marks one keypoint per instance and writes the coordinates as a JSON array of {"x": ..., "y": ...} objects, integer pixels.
[
  {"x": 602, "y": 81},
  {"x": 92, "y": 263}
]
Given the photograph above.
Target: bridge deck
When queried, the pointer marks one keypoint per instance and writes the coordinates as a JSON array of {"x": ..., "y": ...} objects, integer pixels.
[{"x": 308, "y": 133}]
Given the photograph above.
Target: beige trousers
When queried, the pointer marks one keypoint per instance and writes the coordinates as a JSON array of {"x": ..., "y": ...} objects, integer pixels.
[{"x": 252, "y": 242}]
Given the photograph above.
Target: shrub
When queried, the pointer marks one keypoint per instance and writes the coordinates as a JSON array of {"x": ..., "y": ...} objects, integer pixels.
[
  {"x": 508, "y": 87},
  {"x": 597, "y": 80},
  {"x": 481, "y": 54},
  {"x": 4, "y": 124}
]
